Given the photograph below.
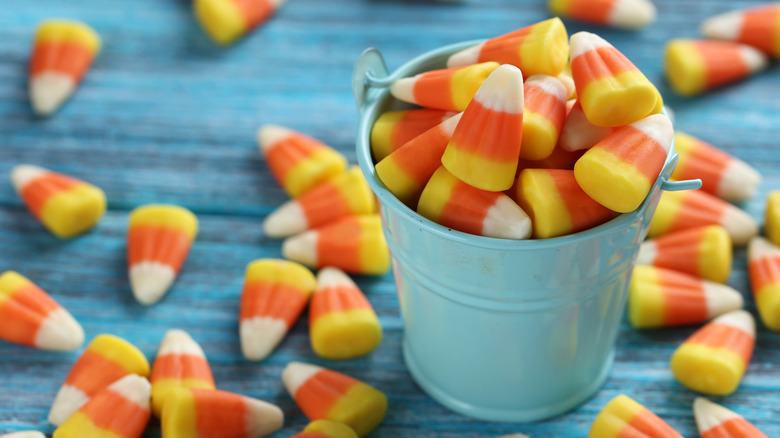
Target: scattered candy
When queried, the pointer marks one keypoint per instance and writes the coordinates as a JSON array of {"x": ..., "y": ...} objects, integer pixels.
[
  {"x": 325, "y": 394},
  {"x": 344, "y": 195},
  {"x": 541, "y": 48},
  {"x": 326, "y": 429},
  {"x": 624, "y": 417},
  {"x": 715, "y": 421},
  {"x": 394, "y": 129},
  {"x": 66, "y": 206},
  {"x": 449, "y": 89},
  {"x": 714, "y": 359},
  {"x": 452, "y": 203},
  {"x": 764, "y": 270},
  {"x": 485, "y": 146},
  {"x": 661, "y": 297},
  {"x": 31, "y": 317},
  {"x": 704, "y": 252},
  {"x": 342, "y": 323},
  {"x": 622, "y": 14},
  {"x": 721, "y": 174},
  {"x": 158, "y": 241},
  {"x": 26, "y": 434},
  {"x": 694, "y": 208},
  {"x": 119, "y": 411},
  {"x": 204, "y": 413},
  {"x": 225, "y": 21},
  {"x": 106, "y": 359},
  {"x": 772, "y": 217},
  {"x": 274, "y": 295},
  {"x": 578, "y": 133},
  {"x": 180, "y": 363},
  {"x": 757, "y": 26},
  {"x": 695, "y": 66},
  {"x": 62, "y": 53},
  {"x": 297, "y": 161},
  {"x": 354, "y": 243},
  {"x": 543, "y": 116}
]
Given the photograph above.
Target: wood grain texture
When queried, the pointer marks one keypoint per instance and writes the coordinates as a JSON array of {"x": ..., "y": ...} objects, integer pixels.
[{"x": 166, "y": 116}]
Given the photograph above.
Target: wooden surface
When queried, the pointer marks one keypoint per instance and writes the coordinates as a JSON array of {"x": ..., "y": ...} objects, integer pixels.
[{"x": 166, "y": 116}]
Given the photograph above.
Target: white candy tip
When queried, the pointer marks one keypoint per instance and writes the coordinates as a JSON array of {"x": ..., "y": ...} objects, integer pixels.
[
  {"x": 150, "y": 281},
  {"x": 260, "y": 336},
  {"x": 263, "y": 418},
  {"x": 502, "y": 90},
  {"x": 67, "y": 401},
  {"x": 739, "y": 182},
  {"x": 269, "y": 135},
  {"x": 754, "y": 59},
  {"x": 658, "y": 127},
  {"x": 23, "y": 174},
  {"x": 403, "y": 89},
  {"x": 296, "y": 374},
  {"x": 761, "y": 247},
  {"x": 632, "y": 14},
  {"x": 333, "y": 277},
  {"x": 465, "y": 57},
  {"x": 722, "y": 27},
  {"x": 287, "y": 220},
  {"x": 506, "y": 220},
  {"x": 721, "y": 299},
  {"x": 134, "y": 388},
  {"x": 178, "y": 341},
  {"x": 740, "y": 319},
  {"x": 582, "y": 42},
  {"x": 740, "y": 225},
  {"x": 60, "y": 332},
  {"x": 48, "y": 91},
  {"x": 709, "y": 414},
  {"x": 301, "y": 248}
]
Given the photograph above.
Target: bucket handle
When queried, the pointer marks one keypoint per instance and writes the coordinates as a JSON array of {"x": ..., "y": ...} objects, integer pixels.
[
  {"x": 676, "y": 186},
  {"x": 370, "y": 73}
]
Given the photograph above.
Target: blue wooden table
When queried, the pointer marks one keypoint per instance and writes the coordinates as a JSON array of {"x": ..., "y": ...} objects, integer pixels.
[{"x": 166, "y": 116}]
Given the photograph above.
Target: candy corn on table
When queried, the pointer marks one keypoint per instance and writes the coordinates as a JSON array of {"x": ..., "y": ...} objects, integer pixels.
[{"x": 166, "y": 116}]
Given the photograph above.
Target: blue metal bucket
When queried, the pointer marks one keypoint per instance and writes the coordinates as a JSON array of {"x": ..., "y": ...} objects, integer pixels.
[{"x": 497, "y": 329}]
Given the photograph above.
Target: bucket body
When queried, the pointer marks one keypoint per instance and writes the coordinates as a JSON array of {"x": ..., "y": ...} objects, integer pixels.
[{"x": 500, "y": 329}]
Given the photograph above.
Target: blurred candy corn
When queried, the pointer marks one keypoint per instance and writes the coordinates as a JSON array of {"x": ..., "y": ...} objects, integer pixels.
[
  {"x": 454, "y": 204},
  {"x": 714, "y": 359},
  {"x": 203, "y": 413},
  {"x": 541, "y": 48},
  {"x": 611, "y": 90},
  {"x": 449, "y": 89},
  {"x": 578, "y": 133},
  {"x": 703, "y": 252},
  {"x": 758, "y": 27},
  {"x": 180, "y": 363},
  {"x": 619, "y": 171},
  {"x": 158, "y": 242},
  {"x": 344, "y": 195},
  {"x": 661, "y": 297},
  {"x": 394, "y": 129},
  {"x": 66, "y": 206},
  {"x": 354, "y": 243},
  {"x": 62, "y": 53},
  {"x": 694, "y": 208},
  {"x": 624, "y": 417},
  {"x": 556, "y": 204},
  {"x": 274, "y": 295},
  {"x": 407, "y": 170},
  {"x": 326, "y": 429},
  {"x": 543, "y": 116},
  {"x": 31, "y": 317},
  {"x": 225, "y": 21},
  {"x": 764, "y": 269},
  {"x": 715, "y": 421},
  {"x": 325, "y": 394},
  {"x": 772, "y": 217},
  {"x": 721, "y": 174},
  {"x": 106, "y": 359},
  {"x": 119, "y": 411},
  {"x": 298, "y": 162},
  {"x": 695, "y": 66},
  {"x": 342, "y": 323},
  {"x": 26, "y": 434},
  {"x": 485, "y": 146},
  {"x": 622, "y": 14}
]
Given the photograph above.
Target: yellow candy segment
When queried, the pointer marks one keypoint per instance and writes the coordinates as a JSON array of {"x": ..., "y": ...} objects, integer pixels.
[
  {"x": 163, "y": 387},
  {"x": 330, "y": 428},
  {"x": 619, "y": 100},
  {"x": 121, "y": 352},
  {"x": 546, "y": 49},
  {"x": 222, "y": 20},
  {"x": 611, "y": 421},
  {"x": 685, "y": 68},
  {"x": 341, "y": 335},
  {"x": 397, "y": 181},
  {"x": 179, "y": 417},
  {"x": 362, "y": 408},
  {"x": 715, "y": 254},
  {"x": 11, "y": 281},
  {"x": 610, "y": 181},
  {"x": 539, "y": 137},
  {"x": 356, "y": 192},
  {"x": 646, "y": 306},
  {"x": 165, "y": 216},
  {"x": 712, "y": 371},
  {"x": 768, "y": 303},
  {"x": 322, "y": 165},
  {"x": 80, "y": 425},
  {"x": 466, "y": 81},
  {"x": 435, "y": 197},
  {"x": 665, "y": 213},
  {"x": 772, "y": 217},
  {"x": 478, "y": 171},
  {"x": 58, "y": 31},
  {"x": 374, "y": 257},
  {"x": 382, "y": 133},
  {"x": 539, "y": 197},
  {"x": 275, "y": 271},
  {"x": 72, "y": 212}
]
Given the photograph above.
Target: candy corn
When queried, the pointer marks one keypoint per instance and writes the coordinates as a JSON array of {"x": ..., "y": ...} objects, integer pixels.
[
  {"x": 62, "y": 53},
  {"x": 31, "y": 317},
  {"x": 26, "y": 434},
  {"x": 106, "y": 359},
  {"x": 66, "y": 206},
  {"x": 297, "y": 161},
  {"x": 325, "y": 394},
  {"x": 406, "y": 171},
  {"x": 764, "y": 269},
  {"x": 556, "y": 204},
  {"x": 758, "y": 27},
  {"x": 228, "y": 20},
  {"x": 703, "y": 252},
  {"x": 619, "y": 171},
  {"x": 326, "y": 429},
  {"x": 612, "y": 90},
  {"x": 158, "y": 242},
  {"x": 694, "y": 208},
  {"x": 274, "y": 295},
  {"x": 578, "y": 133},
  {"x": 344, "y": 195},
  {"x": 119, "y": 411},
  {"x": 661, "y": 297},
  {"x": 622, "y": 14},
  {"x": 715, "y": 421},
  {"x": 204, "y": 413},
  {"x": 342, "y": 323},
  {"x": 624, "y": 417},
  {"x": 714, "y": 359},
  {"x": 558, "y": 159},
  {"x": 354, "y": 243},
  {"x": 180, "y": 363},
  {"x": 449, "y": 89},
  {"x": 721, "y": 174},
  {"x": 541, "y": 48},
  {"x": 454, "y": 204},
  {"x": 394, "y": 129},
  {"x": 695, "y": 66},
  {"x": 485, "y": 146},
  {"x": 772, "y": 217},
  {"x": 543, "y": 116}
]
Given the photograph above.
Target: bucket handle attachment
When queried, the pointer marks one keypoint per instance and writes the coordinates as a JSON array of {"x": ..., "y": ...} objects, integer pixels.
[
  {"x": 676, "y": 186},
  {"x": 370, "y": 73}
]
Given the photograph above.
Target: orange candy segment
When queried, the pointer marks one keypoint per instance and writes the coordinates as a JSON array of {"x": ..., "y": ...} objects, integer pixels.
[
  {"x": 448, "y": 89},
  {"x": 758, "y": 27},
  {"x": 225, "y": 21},
  {"x": 623, "y": 417},
  {"x": 622, "y": 14},
  {"x": 703, "y": 252},
  {"x": 394, "y": 129},
  {"x": 764, "y": 270},
  {"x": 715, "y": 421},
  {"x": 544, "y": 113}
]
